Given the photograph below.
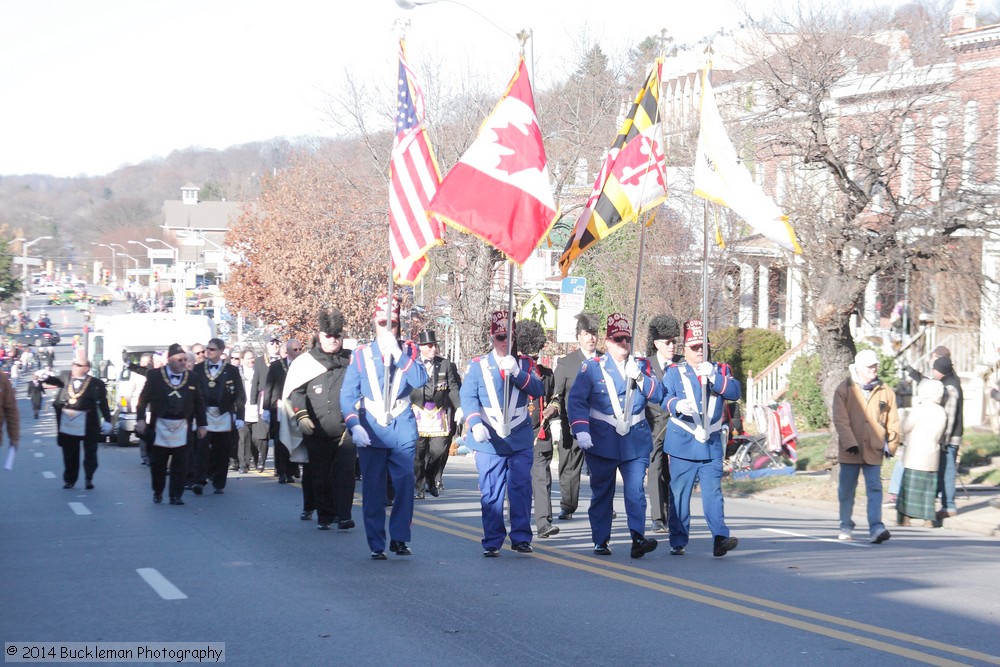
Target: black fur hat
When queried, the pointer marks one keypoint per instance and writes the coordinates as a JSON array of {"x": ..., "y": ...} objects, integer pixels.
[
  {"x": 662, "y": 327},
  {"x": 331, "y": 322},
  {"x": 530, "y": 337},
  {"x": 587, "y": 322}
]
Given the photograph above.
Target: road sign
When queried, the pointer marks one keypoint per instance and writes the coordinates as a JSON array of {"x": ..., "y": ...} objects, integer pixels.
[
  {"x": 540, "y": 309},
  {"x": 160, "y": 253},
  {"x": 571, "y": 296}
]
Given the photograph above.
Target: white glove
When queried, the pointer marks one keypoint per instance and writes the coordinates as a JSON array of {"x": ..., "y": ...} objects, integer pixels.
[
  {"x": 360, "y": 435},
  {"x": 480, "y": 433},
  {"x": 686, "y": 406},
  {"x": 105, "y": 428},
  {"x": 266, "y": 416},
  {"x": 632, "y": 369},
  {"x": 706, "y": 369},
  {"x": 458, "y": 416},
  {"x": 240, "y": 424},
  {"x": 583, "y": 441},
  {"x": 509, "y": 365},
  {"x": 389, "y": 345}
]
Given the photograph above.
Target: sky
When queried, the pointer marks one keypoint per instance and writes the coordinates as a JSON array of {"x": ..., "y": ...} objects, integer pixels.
[{"x": 88, "y": 86}]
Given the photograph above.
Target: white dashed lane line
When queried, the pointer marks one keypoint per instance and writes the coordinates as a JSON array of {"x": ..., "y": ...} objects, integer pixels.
[
  {"x": 160, "y": 584},
  {"x": 79, "y": 509},
  {"x": 48, "y": 474}
]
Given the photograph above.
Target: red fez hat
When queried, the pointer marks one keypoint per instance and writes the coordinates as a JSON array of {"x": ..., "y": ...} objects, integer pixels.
[
  {"x": 618, "y": 325},
  {"x": 498, "y": 323},
  {"x": 693, "y": 329},
  {"x": 382, "y": 306}
]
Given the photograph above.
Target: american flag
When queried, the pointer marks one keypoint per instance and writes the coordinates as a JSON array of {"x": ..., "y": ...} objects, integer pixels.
[{"x": 413, "y": 181}]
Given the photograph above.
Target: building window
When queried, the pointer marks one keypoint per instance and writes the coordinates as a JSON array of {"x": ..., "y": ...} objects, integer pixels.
[{"x": 939, "y": 146}]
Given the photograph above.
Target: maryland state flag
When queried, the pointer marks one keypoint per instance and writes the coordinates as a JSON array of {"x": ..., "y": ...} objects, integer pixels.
[
  {"x": 499, "y": 190},
  {"x": 632, "y": 179}
]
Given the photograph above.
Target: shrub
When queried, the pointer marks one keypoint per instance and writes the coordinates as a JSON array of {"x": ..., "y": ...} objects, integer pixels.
[
  {"x": 747, "y": 350},
  {"x": 806, "y": 394}
]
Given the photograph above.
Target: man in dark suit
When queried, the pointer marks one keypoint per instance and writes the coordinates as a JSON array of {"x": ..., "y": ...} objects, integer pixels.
[
  {"x": 434, "y": 406},
  {"x": 82, "y": 415},
  {"x": 570, "y": 455},
  {"x": 221, "y": 387},
  {"x": 530, "y": 340},
  {"x": 253, "y": 436},
  {"x": 173, "y": 400},
  {"x": 273, "y": 384},
  {"x": 661, "y": 346}
]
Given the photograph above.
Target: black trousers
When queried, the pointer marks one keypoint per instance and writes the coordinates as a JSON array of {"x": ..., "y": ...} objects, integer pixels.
[
  {"x": 570, "y": 467},
  {"x": 251, "y": 449},
  {"x": 178, "y": 467},
  {"x": 282, "y": 466},
  {"x": 331, "y": 472},
  {"x": 70, "y": 445},
  {"x": 213, "y": 457},
  {"x": 658, "y": 484},
  {"x": 541, "y": 484},
  {"x": 308, "y": 497},
  {"x": 429, "y": 456}
]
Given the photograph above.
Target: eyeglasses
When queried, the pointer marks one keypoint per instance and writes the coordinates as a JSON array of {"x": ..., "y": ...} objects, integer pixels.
[
  {"x": 295, "y": 349},
  {"x": 622, "y": 340},
  {"x": 200, "y": 352},
  {"x": 666, "y": 341},
  {"x": 336, "y": 335},
  {"x": 500, "y": 338},
  {"x": 212, "y": 349},
  {"x": 81, "y": 365},
  {"x": 695, "y": 348}
]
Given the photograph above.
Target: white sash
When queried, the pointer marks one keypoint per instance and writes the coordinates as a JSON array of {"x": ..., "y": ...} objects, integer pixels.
[
  {"x": 621, "y": 427},
  {"x": 698, "y": 431},
  {"x": 608, "y": 419},
  {"x": 376, "y": 405},
  {"x": 73, "y": 422},
  {"x": 171, "y": 432},
  {"x": 494, "y": 411},
  {"x": 219, "y": 422}
]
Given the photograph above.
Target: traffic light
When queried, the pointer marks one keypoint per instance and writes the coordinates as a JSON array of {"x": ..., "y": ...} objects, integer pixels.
[
  {"x": 156, "y": 275},
  {"x": 107, "y": 276}
]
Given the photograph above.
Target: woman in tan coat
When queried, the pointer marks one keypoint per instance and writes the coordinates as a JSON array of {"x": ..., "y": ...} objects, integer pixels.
[{"x": 921, "y": 427}]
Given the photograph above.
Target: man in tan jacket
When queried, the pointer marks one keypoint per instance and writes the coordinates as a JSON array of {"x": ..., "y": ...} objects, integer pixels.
[
  {"x": 867, "y": 423},
  {"x": 8, "y": 411}
]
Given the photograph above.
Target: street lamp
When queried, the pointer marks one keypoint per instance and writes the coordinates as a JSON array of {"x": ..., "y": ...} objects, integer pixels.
[
  {"x": 149, "y": 282},
  {"x": 201, "y": 235},
  {"x": 179, "y": 305},
  {"x": 125, "y": 254},
  {"x": 24, "y": 268},
  {"x": 113, "y": 271}
]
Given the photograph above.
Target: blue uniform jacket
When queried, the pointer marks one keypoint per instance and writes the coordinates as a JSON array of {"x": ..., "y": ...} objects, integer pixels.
[
  {"x": 679, "y": 441},
  {"x": 474, "y": 397},
  {"x": 400, "y": 431},
  {"x": 591, "y": 392}
]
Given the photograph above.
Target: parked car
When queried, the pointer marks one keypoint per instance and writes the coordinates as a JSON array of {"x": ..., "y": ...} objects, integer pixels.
[{"x": 39, "y": 336}]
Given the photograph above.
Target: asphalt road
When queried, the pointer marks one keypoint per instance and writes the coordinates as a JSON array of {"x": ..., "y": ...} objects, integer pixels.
[{"x": 243, "y": 569}]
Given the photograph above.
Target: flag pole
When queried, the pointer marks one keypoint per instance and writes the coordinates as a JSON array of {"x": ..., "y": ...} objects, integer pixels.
[
  {"x": 704, "y": 321},
  {"x": 388, "y": 320},
  {"x": 511, "y": 349},
  {"x": 630, "y": 385}
]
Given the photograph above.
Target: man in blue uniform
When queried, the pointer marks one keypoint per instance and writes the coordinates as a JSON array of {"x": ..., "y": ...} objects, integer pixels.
[
  {"x": 607, "y": 413},
  {"x": 385, "y": 434},
  {"x": 696, "y": 452},
  {"x": 503, "y": 442}
]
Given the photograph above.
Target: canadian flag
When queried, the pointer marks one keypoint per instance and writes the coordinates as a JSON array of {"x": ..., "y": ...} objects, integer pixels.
[{"x": 499, "y": 190}]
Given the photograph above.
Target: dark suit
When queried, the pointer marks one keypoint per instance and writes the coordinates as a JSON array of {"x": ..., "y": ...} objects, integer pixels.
[
  {"x": 541, "y": 468},
  {"x": 273, "y": 384},
  {"x": 431, "y": 449},
  {"x": 570, "y": 456},
  {"x": 91, "y": 399},
  {"x": 658, "y": 482},
  {"x": 253, "y": 436},
  {"x": 225, "y": 393}
]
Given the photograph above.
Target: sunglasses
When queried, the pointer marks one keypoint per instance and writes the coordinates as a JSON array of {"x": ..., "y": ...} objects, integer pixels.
[
  {"x": 212, "y": 349},
  {"x": 667, "y": 341},
  {"x": 500, "y": 337},
  {"x": 622, "y": 340},
  {"x": 695, "y": 348},
  {"x": 81, "y": 365},
  {"x": 295, "y": 349},
  {"x": 200, "y": 352}
]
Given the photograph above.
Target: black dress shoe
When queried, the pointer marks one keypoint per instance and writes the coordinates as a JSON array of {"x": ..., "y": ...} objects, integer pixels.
[
  {"x": 68, "y": 485},
  {"x": 418, "y": 496},
  {"x": 324, "y": 526},
  {"x": 548, "y": 530},
  {"x": 602, "y": 549},
  {"x": 197, "y": 488},
  {"x": 433, "y": 490},
  {"x": 659, "y": 527},
  {"x": 157, "y": 498},
  {"x": 676, "y": 551},
  {"x": 260, "y": 468},
  {"x": 219, "y": 492},
  {"x": 379, "y": 555},
  {"x": 306, "y": 516},
  {"x": 90, "y": 484},
  {"x": 641, "y": 546},
  {"x": 565, "y": 516},
  {"x": 282, "y": 479},
  {"x": 399, "y": 548},
  {"x": 523, "y": 548},
  {"x": 388, "y": 503},
  {"x": 491, "y": 552},
  {"x": 176, "y": 501},
  {"x": 346, "y": 524},
  {"x": 723, "y": 545}
]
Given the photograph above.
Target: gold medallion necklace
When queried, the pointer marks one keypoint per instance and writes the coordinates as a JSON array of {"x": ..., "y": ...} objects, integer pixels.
[{"x": 74, "y": 395}]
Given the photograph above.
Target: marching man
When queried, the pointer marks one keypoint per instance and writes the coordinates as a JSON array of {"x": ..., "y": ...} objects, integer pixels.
[
  {"x": 696, "y": 453},
  {"x": 504, "y": 444},
  {"x": 607, "y": 412},
  {"x": 385, "y": 432}
]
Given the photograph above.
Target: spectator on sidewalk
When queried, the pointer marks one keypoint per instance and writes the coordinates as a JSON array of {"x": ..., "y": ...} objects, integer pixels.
[
  {"x": 921, "y": 428},
  {"x": 952, "y": 438}
]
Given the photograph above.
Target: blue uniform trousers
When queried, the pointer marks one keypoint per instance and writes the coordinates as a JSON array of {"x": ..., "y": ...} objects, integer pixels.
[
  {"x": 376, "y": 464},
  {"x": 603, "y": 478},
  {"x": 683, "y": 475},
  {"x": 510, "y": 476}
]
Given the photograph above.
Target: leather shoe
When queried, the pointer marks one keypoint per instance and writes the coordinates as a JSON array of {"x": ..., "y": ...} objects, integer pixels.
[
  {"x": 176, "y": 501},
  {"x": 565, "y": 516},
  {"x": 282, "y": 479},
  {"x": 90, "y": 484},
  {"x": 418, "y": 496},
  {"x": 260, "y": 468},
  {"x": 659, "y": 527},
  {"x": 602, "y": 549},
  {"x": 723, "y": 545},
  {"x": 324, "y": 526},
  {"x": 68, "y": 485},
  {"x": 433, "y": 490},
  {"x": 379, "y": 555},
  {"x": 306, "y": 516},
  {"x": 491, "y": 552},
  {"x": 676, "y": 551},
  {"x": 399, "y": 548},
  {"x": 548, "y": 530},
  {"x": 346, "y": 524},
  {"x": 157, "y": 498},
  {"x": 197, "y": 489},
  {"x": 641, "y": 546},
  {"x": 219, "y": 492},
  {"x": 523, "y": 548}
]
